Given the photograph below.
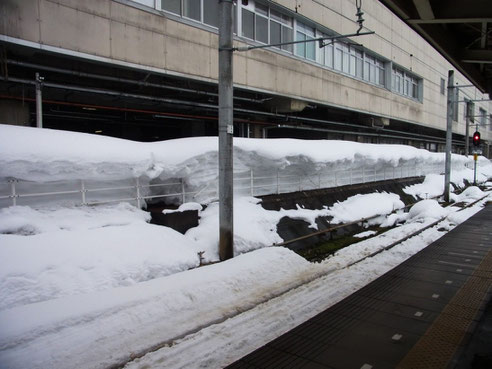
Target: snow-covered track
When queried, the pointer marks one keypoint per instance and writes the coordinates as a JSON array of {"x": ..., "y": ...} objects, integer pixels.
[{"x": 244, "y": 309}]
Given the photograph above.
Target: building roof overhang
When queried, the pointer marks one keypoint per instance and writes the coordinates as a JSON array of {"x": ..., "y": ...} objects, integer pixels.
[{"x": 460, "y": 30}]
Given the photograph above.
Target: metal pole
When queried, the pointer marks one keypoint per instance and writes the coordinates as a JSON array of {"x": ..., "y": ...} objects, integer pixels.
[
  {"x": 467, "y": 131},
  {"x": 39, "y": 101},
  {"x": 226, "y": 126},
  {"x": 475, "y": 157},
  {"x": 449, "y": 134}
]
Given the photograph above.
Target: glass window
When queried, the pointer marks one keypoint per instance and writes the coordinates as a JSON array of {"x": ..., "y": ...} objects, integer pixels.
[
  {"x": 305, "y": 49},
  {"x": 404, "y": 83},
  {"x": 287, "y": 37},
  {"x": 482, "y": 117},
  {"x": 211, "y": 12},
  {"x": 248, "y": 21},
  {"x": 310, "y": 49},
  {"x": 171, "y": 6},
  {"x": 338, "y": 56},
  {"x": 275, "y": 33},
  {"x": 261, "y": 9},
  {"x": 261, "y": 29},
  {"x": 301, "y": 47},
  {"x": 329, "y": 55},
  {"x": 191, "y": 9}
]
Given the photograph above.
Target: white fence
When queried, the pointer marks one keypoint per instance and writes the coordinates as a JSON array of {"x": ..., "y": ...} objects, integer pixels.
[{"x": 175, "y": 191}]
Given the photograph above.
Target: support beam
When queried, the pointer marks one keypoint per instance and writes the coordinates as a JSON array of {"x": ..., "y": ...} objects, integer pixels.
[
  {"x": 424, "y": 9},
  {"x": 449, "y": 20},
  {"x": 477, "y": 56}
]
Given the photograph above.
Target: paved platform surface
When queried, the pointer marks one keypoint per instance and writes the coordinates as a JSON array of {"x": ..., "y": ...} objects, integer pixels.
[{"x": 421, "y": 314}]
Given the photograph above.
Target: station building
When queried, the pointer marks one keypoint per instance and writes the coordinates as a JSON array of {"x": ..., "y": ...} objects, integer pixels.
[{"x": 147, "y": 70}]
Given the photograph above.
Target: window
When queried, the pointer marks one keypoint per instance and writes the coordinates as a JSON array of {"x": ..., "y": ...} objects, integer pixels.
[
  {"x": 403, "y": 83},
  {"x": 193, "y": 9},
  {"x": 326, "y": 55},
  {"x": 173, "y": 6},
  {"x": 443, "y": 86},
  {"x": 482, "y": 117},
  {"x": 305, "y": 49},
  {"x": 211, "y": 12},
  {"x": 280, "y": 29},
  {"x": 260, "y": 23}
]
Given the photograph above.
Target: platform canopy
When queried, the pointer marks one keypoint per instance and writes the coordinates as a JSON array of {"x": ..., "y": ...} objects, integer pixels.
[{"x": 459, "y": 30}]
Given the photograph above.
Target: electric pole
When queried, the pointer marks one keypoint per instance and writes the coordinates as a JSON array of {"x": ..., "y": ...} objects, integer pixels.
[
  {"x": 449, "y": 134},
  {"x": 226, "y": 130}
]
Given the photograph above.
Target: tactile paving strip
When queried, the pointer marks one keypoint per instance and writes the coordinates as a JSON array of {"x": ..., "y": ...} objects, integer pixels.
[{"x": 441, "y": 341}]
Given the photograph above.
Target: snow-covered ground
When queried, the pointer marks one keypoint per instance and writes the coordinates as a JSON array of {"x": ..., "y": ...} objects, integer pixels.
[{"x": 90, "y": 287}]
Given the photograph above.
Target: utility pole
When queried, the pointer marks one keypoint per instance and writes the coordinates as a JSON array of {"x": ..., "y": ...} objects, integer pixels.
[
  {"x": 226, "y": 130},
  {"x": 469, "y": 114},
  {"x": 39, "y": 101},
  {"x": 449, "y": 134}
]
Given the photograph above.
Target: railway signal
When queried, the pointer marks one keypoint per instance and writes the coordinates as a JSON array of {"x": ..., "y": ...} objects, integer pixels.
[{"x": 476, "y": 139}]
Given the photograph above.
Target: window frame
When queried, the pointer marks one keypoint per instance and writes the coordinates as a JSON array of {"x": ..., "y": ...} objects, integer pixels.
[{"x": 405, "y": 84}]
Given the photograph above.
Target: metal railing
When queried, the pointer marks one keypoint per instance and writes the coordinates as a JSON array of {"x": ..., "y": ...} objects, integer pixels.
[{"x": 175, "y": 191}]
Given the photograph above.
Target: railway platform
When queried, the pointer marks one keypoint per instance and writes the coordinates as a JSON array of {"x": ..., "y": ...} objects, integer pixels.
[{"x": 424, "y": 313}]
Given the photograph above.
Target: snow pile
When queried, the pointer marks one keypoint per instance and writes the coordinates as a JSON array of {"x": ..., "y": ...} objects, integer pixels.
[
  {"x": 27, "y": 221},
  {"x": 99, "y": 329},
  {"x": 364, "y": 206},
  {"x": 427, "y": 209},
  {"x": 81, "y": 250},
  {"x": 187, "y": 206},
  {"x": 468, "y": 195},
  {"x": 433, "y": 186}
]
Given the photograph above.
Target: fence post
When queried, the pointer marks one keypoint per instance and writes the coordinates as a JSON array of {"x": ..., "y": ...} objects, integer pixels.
[
  {"x": 137, "y": 185},
  {"x": 13, "y": 194},
  {"x": 278, "y": 184},
  {"x": 251, "y": 182},
  {"x": 83, "y": 191},
  {"x": 183, "y": 194}
]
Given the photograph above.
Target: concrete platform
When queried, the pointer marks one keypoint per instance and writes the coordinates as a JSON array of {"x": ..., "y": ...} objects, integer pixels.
[{"x": 421, "y": 314}]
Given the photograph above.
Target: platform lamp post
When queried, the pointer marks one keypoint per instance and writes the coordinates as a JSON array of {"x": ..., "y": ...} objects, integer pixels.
[
  {"x": 449, "y": 134},
  {"x": 226, "y": 130}
]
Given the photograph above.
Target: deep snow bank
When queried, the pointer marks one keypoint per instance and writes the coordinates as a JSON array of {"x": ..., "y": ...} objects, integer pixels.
[{"x": 47, "y": 155}]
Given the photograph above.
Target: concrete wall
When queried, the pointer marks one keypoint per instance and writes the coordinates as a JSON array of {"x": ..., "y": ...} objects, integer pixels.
[{"x": 118, "y": 32}]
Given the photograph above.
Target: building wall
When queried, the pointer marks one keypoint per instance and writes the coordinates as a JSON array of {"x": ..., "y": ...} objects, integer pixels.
[{"x": 126, "y": 32}]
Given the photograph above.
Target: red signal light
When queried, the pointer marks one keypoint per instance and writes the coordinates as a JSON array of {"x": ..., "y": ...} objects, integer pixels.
[{"x": 476, "y": 138}]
